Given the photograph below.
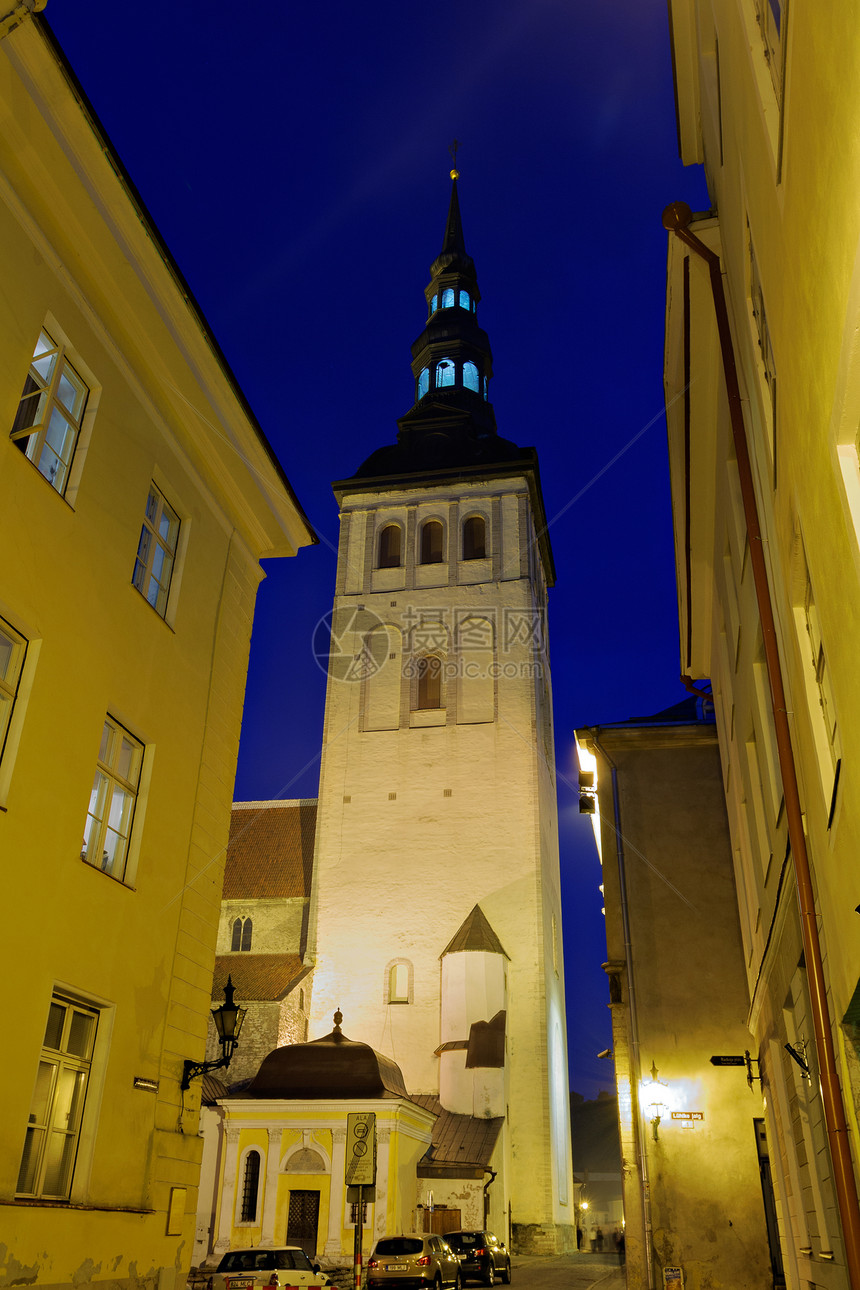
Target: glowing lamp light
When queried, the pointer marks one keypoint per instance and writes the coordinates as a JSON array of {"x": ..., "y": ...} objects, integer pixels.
[{"x": 656, "y": 1098}]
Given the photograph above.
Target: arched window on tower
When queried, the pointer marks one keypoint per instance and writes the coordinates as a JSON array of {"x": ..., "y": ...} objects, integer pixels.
[
  {"x": 445, "y": 372},
  {"x": 429, "y": 682},
  {"x": 250, "y": 1187},
  {"x": 474, "y": 538},
  {"x": 432, "y": 537},
  {"x": 433, "y": 303},
  {"x": 485, "y": 387},
  {"x": 389, "y": 547},
  {"x": 470, "y": 377},
  {"x": 399, "y": 974},
  {"x": 465, "y": 300},
  {"x": 448, "y": 298},
  {"x": 242, "y": 931},
  {"x": 424, "y": 382}
]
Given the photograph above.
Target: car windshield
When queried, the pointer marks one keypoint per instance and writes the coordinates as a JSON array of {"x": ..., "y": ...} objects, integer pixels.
[
  {"x": 265, "y": 1261},
  {"x": 400, "y": 1245},
  {"x": 465, "y": 1240}
]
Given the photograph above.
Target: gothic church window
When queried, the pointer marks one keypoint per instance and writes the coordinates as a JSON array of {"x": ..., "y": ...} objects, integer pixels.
[
  {"x": 389, "y": 547},
  {"x": 432, "y": 535},
  {"x": 474, "y": 538},
  {"x": 242, "y": 932},
  {"x": 429, "y": 682}
]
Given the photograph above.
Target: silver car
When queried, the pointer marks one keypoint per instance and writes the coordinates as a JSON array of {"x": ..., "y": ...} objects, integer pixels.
[{"x": 413, "y": 1259}]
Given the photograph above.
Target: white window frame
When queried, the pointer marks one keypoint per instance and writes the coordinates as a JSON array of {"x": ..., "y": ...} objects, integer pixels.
[
  {"x": 399, "y": 997},
  {"x": 59, "y": 1059},
  {"x": 154, "y": 550},
  {"x": 41, "y": 392},
  {"x": 109, "y": 778},
  {"x": 10, "y": 677}
]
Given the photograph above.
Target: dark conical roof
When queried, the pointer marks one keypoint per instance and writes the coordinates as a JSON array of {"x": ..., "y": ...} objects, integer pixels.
[
  {"x": 475, "y": 934},
  {"x": 331, "y": 1067},
  {"x": 453, "y": 257}
]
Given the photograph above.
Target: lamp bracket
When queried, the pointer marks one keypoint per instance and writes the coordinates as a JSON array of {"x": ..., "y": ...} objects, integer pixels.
[
  {"x": 190, "y": 1069},
  {"x": 749, "y": 1064}
]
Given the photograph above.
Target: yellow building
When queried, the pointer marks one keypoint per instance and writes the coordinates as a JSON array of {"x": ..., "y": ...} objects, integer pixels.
[
  {"x": 763, "y": 394},
  {"x": 695, "y": 1182},
  {"x": 137, "y": 495}
]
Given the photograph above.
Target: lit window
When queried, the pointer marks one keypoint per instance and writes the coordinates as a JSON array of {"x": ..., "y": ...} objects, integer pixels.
[
  {"x": 432, "y": 535},
  {"x": 112, "y": 800},
  {"x": 54, "y": 1123},
  {"x": 250, "y": 1187},
  {"x": 389, "y": 547},
  {"x": 429, "y": 691},
  {"x": 448, "y": 298},
  {"x": 471, "y": 379},
  {"x": 474, "y": 538},
  {"x": 242, "y": 931},
  {"x": 465, "y": 300},
  {"x": 445, "y": 371},
  {"x": 156, "y": 550},
  {"x": 398, "y": 983},
  {"x": 12, "y": 650},
  {"x": 485, "y": 387},
  {"x": 424, "y": 382},
  {"x": 49, "y": 416},
  {"x": 433, "y": 303}
]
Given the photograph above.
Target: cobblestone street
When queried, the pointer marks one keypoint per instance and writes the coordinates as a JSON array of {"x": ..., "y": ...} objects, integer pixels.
[{"x": 569, "y": 1272}]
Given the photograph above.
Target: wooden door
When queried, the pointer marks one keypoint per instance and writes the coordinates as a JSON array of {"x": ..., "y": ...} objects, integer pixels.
[{"x": 302, "y": 1220}]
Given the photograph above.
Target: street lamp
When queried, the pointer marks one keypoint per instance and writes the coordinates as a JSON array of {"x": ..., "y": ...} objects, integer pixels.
[
  {"x": 228, "y": 1020},
  {"x": 654, "y": 1096}
]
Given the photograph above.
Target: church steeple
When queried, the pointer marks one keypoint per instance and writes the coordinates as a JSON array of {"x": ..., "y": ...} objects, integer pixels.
[{"x": 451, "y": 360}]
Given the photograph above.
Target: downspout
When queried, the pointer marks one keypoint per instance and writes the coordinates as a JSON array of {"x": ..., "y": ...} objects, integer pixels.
[
  {"x": 631, "y": 998},
  {"x": 676, "y": 218},
  {"x": 487, "y": 1185}
]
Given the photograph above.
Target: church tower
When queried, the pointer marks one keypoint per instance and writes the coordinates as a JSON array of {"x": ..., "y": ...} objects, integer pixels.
[{"x": 436, "y": 924}]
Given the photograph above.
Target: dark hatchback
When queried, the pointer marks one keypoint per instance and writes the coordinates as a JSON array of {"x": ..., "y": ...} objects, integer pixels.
[{"x": 483, "y": 1257}]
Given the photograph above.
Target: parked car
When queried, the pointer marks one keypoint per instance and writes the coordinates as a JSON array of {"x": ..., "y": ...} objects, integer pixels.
[
  {"x": 413, "y": 1259},
  {"x": 482, "y": 1256},
  {"x": 253, "y": 1269}
]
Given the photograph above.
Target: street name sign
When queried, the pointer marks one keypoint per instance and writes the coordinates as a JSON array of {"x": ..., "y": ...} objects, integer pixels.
[{"x": 728, "y": 1061}]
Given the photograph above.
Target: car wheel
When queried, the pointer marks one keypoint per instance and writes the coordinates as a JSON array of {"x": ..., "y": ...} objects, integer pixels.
[
  {"x": 437, "y": 1284},
  {"x": 490, "y": 1274},
  {"x": 506, "y": 1275},
  {"x": 458, "y": 1284}
]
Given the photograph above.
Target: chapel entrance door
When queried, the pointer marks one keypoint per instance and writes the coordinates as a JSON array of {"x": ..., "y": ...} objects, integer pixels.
[{"x": 302, "y": 1220}]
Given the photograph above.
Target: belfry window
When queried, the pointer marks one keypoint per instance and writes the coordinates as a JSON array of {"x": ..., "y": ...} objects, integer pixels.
[
  {"x": 243, "y": 929},
  {"x": 445, "y": 371},
  {"x": 465, "y": 300},
  {"x": 470, "y": 377},
  {"x": 474, "y": 538},
  {"x": 433, "y": 303},
  {"x": 423, "y": 382},
  {"x": 432, "y": 536},
  {"x": 448, "y": 298},
  {"x": 389, "y": 547},
  {"x": 429, "y": 672},
  {"x": 485, "y": 387}
]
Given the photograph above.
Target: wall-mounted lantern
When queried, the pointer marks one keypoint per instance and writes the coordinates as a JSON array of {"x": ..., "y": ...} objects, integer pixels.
[{"x": 228, "y": 1020}]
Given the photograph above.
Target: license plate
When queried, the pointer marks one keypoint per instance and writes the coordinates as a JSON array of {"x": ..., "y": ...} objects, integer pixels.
[
  {"x": 396, "y": 1267},
  {"x": 239, "y": 1283}
]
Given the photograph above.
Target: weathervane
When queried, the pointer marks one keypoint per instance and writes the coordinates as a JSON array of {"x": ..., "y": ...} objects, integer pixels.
[{"x": 452, "y": 148}]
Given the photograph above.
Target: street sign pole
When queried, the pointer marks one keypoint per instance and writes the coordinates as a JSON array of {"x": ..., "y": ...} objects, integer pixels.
[{"x": 359, "y": 1234}]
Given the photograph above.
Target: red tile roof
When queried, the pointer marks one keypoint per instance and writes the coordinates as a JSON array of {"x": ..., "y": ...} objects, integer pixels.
[
  {"x": 271, "y": 850},
  {"x": 257, "y": 976}
]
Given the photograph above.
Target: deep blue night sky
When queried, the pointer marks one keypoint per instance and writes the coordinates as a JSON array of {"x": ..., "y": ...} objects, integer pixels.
[{"x": 295, "y": 159}]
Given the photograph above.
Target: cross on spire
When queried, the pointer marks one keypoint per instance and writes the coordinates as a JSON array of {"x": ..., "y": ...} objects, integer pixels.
[{"x": 453, "y": 149}]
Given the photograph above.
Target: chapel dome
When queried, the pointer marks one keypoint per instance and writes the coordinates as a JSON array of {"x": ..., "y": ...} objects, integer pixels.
[{"x": 331, "y": 1067}]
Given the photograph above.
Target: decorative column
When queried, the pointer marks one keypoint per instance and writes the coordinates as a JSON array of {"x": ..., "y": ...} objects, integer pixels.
[
  {"x": 337, "y": 1193},
  {"x": 270, "y": 1195},
  {"x": 380, "y": 1208},
  {"x": 228, "y": 1190}
]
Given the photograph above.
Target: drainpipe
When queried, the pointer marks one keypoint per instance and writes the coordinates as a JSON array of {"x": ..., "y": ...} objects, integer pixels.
[
  {"x": 677, "y": 218},
  {"x": 487, "y": 1185},
  {"x": 632, "y": 1012}
]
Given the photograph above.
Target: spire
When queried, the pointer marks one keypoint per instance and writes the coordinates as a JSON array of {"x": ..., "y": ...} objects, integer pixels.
[{"x": 454, "y": 245}]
